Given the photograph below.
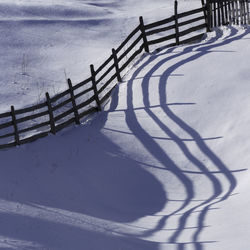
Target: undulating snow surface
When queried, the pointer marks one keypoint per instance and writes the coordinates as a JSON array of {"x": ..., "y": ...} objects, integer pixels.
[{"x": 163, "y": 167}]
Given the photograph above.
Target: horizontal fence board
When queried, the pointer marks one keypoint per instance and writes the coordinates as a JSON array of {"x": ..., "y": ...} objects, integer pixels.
[
  {"x": 107, "y": 95},
  {"x": 192, "y": 39},
  {"x": 138, "y": 39},
  {"x": 132, "y": 57},
  {"x": 107, "y": 83},
  {"x": 162, "y": 39},
  {"x": 83, "y": 92},
  {"x": 191, "y": 21},
  {"x": 64, "y": 114},
  {"x": 87, "y": 102},
  {"x": 59, "y": 96},
  {"x": 190, "y": 30},
  {"x": 104, "y": 64},
  {"x": 105, "y": 73},
  {"x": 88, "y": 112},
  {"x": 7, "y": 135},
  {"x": 47, "y": 123},
  {"x": 6, "y": 114},
  {"x": 190, "y": 12},
  {"x": 159, "y": 23},
  {"x": 155, "y": 31},
  {"x": 30, "y": 117},
  {"x": 128, "y": 38},
  {"x": 62, "y": 104},
  {"x": 65, "y": 124},
  {"x": 34, "y": 137},
  {"x": 78, "y": 85},
  {"x": 6, "y": 125},
  {"x": 8, "y": 145},
  {"x": 30, "y": 109}
]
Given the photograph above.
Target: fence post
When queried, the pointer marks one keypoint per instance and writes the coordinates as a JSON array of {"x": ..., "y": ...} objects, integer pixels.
[
  {"x": 93, "y": 74},
  {"x": 77, "y": 119},
  {"x": 176, "y": 22},
  {"x": 116, "y": 65},
  {"x": 207, "y": 14},
  {"x": 144, "y": 37},
  {"x": 13, "y": 115},
  {"x": 51, "y": 116}
]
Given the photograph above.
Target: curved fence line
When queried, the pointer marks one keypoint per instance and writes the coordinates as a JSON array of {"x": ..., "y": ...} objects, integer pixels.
[{"x": 80, "y": 100}]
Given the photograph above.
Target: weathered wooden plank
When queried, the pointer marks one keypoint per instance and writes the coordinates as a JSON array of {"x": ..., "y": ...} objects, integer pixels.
[
  {"x": 30, "y": 117},
  {"x": 137, "y": 29},
  {"x": 59, "y": 96},
  {"x": 7, "y": 135},
  {"x": 156, "y": 31},
  {"x": 107, "y": 95},
  {"x": 107, "y": 83},
  {"x": 64, "y": 114},
  {"x": 84, "y": 92},
  {"x": 30, "y": 109},
  {"x": 194, "y": 20},
  {"x": 8, "y": 145},
  {"x": 131, "y": 58},
  {"x": 85, "y": 103},
  {"x": 64, "y": 124},
  {"x": 5, "y": 124},
  {"x": 190, "y": 12},
  {"x": 77, "y": 86},
  {"x": 190, "y": 30},
  {"x": 88, "y": 112},
  {"x": 162, "y": 39},
  {"x": 192, "y": 39},
  {"x": 34, "y": 137},
  {"x": 105, "y": 74},
  {"x": 62, "y": 104},
  {"x": 159, "y": 23},
  {"x": 37, "y": 126},
  {"x": 100, "y": 68},
  {"x": 137, "y": 40}
]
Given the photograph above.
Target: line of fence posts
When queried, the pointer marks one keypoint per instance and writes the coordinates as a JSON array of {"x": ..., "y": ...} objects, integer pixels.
[{"x": 53, "y": 127}]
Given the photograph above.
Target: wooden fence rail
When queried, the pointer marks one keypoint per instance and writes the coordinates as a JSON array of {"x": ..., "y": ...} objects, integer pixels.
[{"x": 82, "y": 99}]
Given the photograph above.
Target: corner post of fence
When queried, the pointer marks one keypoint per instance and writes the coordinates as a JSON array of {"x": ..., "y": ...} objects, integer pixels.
[
  {"x": 93, "y": 74},
  {"x": 51, "y": 115},
  {"x": 176, "y": 22},
  {"x": 73, "y": 100},
  {"x": 14, "y": 122},
  {"x": 119, "y": 79},
  {"x": 144, "y": 36}
]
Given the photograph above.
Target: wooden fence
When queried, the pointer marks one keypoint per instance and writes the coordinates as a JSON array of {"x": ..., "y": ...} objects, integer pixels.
[
  {"x": 80, "y": 100},
  {"x": 224, "y": 12}
]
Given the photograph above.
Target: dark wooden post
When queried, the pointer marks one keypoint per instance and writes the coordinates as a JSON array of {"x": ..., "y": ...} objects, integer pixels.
[
  {"x": 233, "y": 12},
  {"x": 247, "y": 10},
  {"x": 176, "y": 22},
  {"x": 208, "y": 14},
  {"x": 93, "y": 74},
  {"x": 13, "y": 115},
  {"x": 71, "y": 91},
  {"x": 144, "y": 37},
  {"x": 116, "y": 65},
  {"x": 51, "y": 116},
  {"x": 215, "y": 15}
]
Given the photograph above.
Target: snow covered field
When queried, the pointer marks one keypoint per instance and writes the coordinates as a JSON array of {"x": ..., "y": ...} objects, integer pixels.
[{"x": 163, "y": 167}]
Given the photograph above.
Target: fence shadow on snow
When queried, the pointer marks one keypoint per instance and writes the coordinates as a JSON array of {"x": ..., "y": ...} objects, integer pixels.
[{"x": 87, "y": 97}]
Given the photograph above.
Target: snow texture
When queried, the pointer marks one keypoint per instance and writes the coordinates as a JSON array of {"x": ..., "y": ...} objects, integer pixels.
[{"x": 163, "y": 167}]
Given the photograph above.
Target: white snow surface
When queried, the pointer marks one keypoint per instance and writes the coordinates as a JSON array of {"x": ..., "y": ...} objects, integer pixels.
[{"x": 163, "y": 167}]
